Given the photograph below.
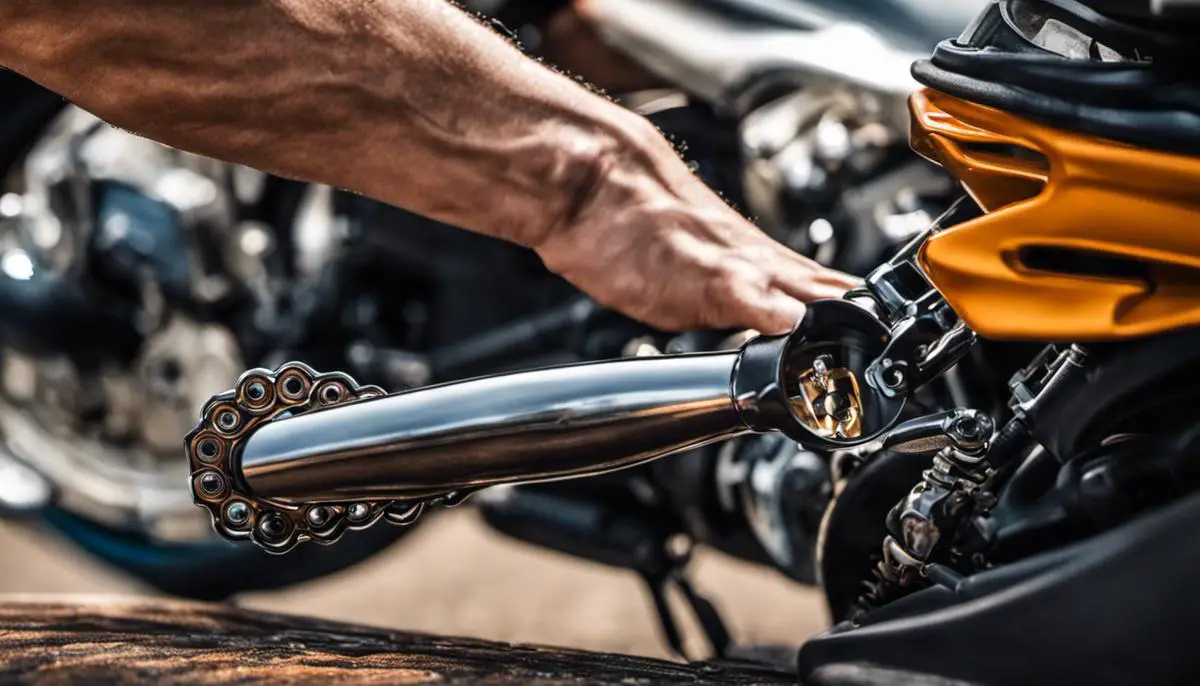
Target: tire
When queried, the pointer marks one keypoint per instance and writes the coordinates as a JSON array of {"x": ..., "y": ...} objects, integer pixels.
[
  {"x": 208, "y": 571},
  {"x": 221, "y": 569}
]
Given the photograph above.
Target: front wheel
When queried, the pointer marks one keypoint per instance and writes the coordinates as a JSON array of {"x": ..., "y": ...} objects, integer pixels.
[
  {"x": 216, "y": 570},
  {"x": 54, "y": 427}
]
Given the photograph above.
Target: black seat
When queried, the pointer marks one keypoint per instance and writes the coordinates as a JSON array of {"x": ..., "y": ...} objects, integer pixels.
[
  {"x": 1160, "y": 12},
  {"x": 913, "y": 24}
]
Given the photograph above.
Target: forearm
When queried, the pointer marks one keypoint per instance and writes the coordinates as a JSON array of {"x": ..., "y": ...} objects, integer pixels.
[{"x": 407, "y": 101}]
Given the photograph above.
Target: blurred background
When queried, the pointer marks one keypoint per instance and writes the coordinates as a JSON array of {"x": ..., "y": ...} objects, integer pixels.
[
  {"x": 137, "y": 281},
  {"x": 458, "y": 577}
]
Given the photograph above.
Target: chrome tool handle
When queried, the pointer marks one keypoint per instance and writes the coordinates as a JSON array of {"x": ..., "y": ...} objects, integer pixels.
[{"x": 294, "y": 455}]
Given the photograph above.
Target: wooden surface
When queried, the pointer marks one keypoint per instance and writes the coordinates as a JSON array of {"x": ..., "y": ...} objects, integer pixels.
[{"x": 66, "y": 640}]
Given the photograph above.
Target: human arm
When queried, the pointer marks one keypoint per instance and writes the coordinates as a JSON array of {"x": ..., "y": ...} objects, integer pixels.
[{"x": 412, "y": 102}]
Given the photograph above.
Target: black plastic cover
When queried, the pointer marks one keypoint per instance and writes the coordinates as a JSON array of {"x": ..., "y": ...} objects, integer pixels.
[
  {"x": 1123, "y": 609},
  {"x": 1151, "y": 99}
]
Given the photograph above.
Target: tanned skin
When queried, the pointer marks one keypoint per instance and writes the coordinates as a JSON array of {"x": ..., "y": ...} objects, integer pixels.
[{"x": 414, "y": 103}]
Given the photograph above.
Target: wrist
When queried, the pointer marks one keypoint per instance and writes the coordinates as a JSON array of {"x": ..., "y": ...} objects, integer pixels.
[{"x": 628, "y": 164}]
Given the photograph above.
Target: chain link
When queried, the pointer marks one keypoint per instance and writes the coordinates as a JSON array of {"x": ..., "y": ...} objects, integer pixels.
[{"x": 227, "y": 422}]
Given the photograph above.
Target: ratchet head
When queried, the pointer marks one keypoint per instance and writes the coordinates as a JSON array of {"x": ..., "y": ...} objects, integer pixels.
[{"x": 821, "y": 396}]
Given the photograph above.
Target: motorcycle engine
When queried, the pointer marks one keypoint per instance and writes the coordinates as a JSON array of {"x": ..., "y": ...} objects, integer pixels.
[
  {"x": 129, "y": 273},
  {"x": 826, "y": 171}
]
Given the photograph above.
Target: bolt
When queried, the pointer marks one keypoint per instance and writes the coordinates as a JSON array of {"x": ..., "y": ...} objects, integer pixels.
[
  {"x": 967, "y": 427},
  {"x": 209, "y": 449},
  {"x": 331, "y": 394},
  {"x": 212, "y": 483},
  {"x": 318, "y": 516},
  {"x": 227, "y": 420},
  {"x": 972, "y": 427},
  {"x": 358, "y": 512},
  {"x": 838, "y": 406},
  {"x": 893, "y": 377},
  {"x": 237, "y": 513},
  {"x": 293, "y": 386},
  {"x": 273, "y": 527},
  {"x": 256, "y": 391}
]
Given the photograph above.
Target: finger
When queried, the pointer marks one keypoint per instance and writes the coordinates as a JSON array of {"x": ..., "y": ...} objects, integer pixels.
[
  {"x": 809, "y": 287},
  {"x": 820, "y": 288},
  {"x": 774, "y": 314},
  {"x": 794, "y": 268},
  {"x": 806, "y": 268},
  {"x": 839, "y": 279}
]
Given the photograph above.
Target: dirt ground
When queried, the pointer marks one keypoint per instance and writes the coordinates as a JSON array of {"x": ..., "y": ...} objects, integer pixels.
[{"x": 454, "y": 576}]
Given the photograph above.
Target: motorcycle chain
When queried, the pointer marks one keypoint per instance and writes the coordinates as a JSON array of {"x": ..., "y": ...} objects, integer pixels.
[{"x": 227, "y": 422}]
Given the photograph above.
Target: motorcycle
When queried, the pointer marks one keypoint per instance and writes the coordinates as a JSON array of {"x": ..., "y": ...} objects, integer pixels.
[
  {"x": 183, "y": 270},
  {"x": 1037, "y": 544},
  {"x": 1043, "y": 542}
]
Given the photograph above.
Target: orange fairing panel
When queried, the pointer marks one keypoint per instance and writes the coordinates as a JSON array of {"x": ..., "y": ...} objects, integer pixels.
[{"x": 1044, "y": 188}]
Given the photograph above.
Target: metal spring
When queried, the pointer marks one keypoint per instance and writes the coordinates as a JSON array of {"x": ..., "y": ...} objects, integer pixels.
[{"x": 882, "y": 586}]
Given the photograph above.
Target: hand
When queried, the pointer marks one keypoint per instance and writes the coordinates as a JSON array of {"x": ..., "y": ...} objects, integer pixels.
[{"x": 670, "y": 253}]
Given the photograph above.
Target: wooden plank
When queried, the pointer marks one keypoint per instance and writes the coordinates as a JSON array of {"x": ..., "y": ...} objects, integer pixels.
[{"x": 118, "y": 641}]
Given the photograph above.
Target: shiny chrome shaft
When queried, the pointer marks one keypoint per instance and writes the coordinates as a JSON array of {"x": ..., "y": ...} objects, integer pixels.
[{"x": 538, "y": 425}]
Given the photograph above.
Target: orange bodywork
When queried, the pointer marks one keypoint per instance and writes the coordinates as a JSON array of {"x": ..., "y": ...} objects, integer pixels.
[{"x": 1044, "y": 188}]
